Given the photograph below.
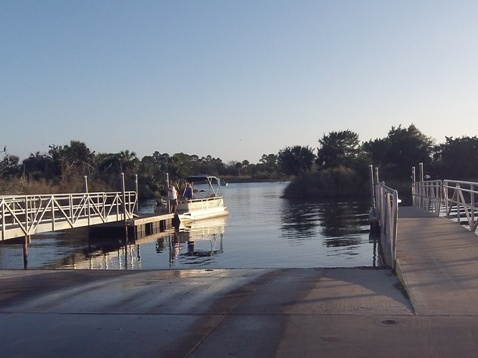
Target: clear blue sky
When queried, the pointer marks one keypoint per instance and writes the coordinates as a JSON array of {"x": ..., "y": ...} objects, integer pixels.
[{"x": 232, "y": 79}]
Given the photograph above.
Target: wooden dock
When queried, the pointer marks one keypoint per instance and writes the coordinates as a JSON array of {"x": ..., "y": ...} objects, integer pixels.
[
  {"x": 150, "y": 225},
  {"x": 136, "y": 228}
]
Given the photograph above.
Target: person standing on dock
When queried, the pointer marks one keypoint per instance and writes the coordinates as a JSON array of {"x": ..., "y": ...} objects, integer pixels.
[{"x": 173, "y": 198}]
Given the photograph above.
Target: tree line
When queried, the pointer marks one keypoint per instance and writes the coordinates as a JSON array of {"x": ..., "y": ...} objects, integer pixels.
[{"x": 338, "y": 166}]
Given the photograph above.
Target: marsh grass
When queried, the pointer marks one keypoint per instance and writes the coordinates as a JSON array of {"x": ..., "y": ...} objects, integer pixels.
[{"x": 22, "y": 186}]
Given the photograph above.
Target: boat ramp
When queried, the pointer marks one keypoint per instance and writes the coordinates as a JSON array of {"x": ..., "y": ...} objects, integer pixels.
[
  {"x": 353, "y": 312},
  {"x": 423, "y": 307}
]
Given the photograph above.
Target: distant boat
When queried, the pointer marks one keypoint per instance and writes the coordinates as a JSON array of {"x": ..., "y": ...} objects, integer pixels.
[{"x": 206, "y": 202}]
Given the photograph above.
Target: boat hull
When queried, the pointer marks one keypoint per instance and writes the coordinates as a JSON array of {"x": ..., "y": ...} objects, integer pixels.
[{"x": 199, "y": 209}]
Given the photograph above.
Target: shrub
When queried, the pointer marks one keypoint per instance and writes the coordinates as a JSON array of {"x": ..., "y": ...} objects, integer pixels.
[{"x": 331, "y": 183}]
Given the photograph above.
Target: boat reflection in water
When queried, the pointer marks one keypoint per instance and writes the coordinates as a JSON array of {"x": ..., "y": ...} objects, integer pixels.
[{"x": 195, "y": 245}]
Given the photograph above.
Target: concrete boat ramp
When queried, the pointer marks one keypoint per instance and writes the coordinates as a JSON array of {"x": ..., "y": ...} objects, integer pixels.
[{"x": 359, "y": 312}]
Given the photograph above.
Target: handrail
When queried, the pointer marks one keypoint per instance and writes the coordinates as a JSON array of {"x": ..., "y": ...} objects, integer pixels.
[
  {"x": 454, "y": 199},
  {"x": 25, "y": 215},
  {"x": 428, "y": 195},
  {"x": 387, "y": 206},
  {"x": 460, "y": 201}
]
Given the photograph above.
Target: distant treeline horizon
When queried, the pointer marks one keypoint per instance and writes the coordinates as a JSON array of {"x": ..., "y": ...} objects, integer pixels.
[{"x": 339, "y": 166}]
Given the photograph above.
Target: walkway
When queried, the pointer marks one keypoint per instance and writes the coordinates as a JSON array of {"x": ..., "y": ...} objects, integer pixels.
[
  {"x": 257, "y": 312},
  {"x": 438, "y": 261},
  {"x": 26, "y": 215}
]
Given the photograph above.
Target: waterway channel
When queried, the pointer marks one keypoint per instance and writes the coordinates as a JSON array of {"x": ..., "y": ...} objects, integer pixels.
[{"x": 261, "y": 231}]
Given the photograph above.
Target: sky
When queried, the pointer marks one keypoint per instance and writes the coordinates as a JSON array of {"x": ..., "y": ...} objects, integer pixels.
[{"x": 232, "y": 79}]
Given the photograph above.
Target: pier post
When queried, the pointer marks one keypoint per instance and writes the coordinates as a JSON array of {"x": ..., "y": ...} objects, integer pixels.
[
  {"x": 85, "y": 178},
  {"x": 167, "y": 187},
  {"x": 136, "y": 205},
  {"x": 373, "y": 214},
  {"x": 414, "y": 187},
  {"x": 372, "y": 186},
  {"x": 25, "y": 251},
  {"x": 125, "y": 218},
  {"x": 420, "y": 167},
  {"x": 421, "y": 190}
]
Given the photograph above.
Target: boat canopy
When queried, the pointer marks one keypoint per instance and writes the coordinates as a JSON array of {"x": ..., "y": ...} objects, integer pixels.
[
  {"x": 198, "y": 178},
  {"x": 212, "y": 182}
]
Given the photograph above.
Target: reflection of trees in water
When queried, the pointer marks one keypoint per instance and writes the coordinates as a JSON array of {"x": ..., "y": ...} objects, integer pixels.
[
  {"x": 339, "y": 222},
  {"x": 342, "y": 241},
  {"x": 299, "y": 220}
]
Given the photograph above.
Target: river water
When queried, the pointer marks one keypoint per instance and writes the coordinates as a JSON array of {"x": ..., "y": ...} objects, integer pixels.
[{"x": 261, "y": 231}]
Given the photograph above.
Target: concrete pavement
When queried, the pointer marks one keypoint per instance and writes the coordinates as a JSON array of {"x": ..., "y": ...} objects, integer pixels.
[{"x": 197, "y": 313}]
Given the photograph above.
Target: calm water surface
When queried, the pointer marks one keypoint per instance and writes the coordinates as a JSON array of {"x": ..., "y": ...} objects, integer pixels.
[{"x": 261, "y": 231}]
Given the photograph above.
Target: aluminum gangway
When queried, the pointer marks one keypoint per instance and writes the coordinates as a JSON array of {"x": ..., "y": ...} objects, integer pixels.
[{"x": 26, "y": 215}]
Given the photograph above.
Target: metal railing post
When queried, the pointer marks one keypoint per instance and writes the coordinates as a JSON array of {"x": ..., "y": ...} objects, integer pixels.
[
  {"x": 136, "y": 203},
  {"x": 372, "y": 187},
  {"x": 87, "y": 200},
  {"x": 123, "y": 188},
  {"x": 387, "y": 206},
  {"x": 472, "y": 206}
]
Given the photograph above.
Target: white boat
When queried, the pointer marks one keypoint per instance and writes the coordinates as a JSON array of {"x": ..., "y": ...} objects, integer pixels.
[{"x": 207, "y": 202}]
